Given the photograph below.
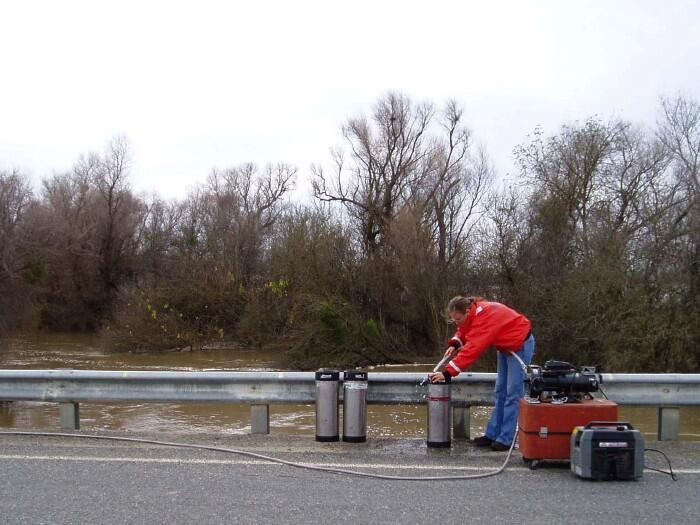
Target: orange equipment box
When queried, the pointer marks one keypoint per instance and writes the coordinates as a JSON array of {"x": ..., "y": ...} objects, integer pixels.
[{"x": 545, "y": 428}]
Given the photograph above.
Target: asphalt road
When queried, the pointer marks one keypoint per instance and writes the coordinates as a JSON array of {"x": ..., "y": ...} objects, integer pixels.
[{"x": 67, "y": 481}]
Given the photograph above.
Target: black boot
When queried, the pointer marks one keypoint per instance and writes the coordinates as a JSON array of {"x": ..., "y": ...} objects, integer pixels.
[
  {"x": 482, "y": 441},
  {"x": 499, "y": 447}
]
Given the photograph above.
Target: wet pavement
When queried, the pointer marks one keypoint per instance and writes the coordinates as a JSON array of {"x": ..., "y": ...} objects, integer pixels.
[{"x": 76, "y": 480}]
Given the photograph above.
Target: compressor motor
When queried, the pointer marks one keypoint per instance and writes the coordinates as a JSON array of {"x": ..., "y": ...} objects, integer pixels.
[{"x": 562, "y": 382}]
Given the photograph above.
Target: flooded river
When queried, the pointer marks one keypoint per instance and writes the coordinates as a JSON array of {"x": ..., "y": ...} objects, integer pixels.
[{"x": 84, "y": 353}]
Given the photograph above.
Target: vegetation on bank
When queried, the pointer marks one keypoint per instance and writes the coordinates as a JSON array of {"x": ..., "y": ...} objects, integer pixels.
[{"x": 598, "y": 242}]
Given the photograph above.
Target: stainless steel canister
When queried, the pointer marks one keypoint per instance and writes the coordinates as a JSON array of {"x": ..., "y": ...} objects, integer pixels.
[
  {"x": 327, "y": 405},
  {"x": 354, "y": 406},
  {"x": 439, "y": 414}
]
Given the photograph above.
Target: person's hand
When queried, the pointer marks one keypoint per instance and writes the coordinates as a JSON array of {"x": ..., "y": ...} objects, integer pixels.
[
  {"x": 436, "y": 377},
  {"x": 451, "y": 352}
]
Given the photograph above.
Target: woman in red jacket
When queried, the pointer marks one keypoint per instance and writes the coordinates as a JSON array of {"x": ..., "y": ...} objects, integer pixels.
[{"x": 481, "y": 324}]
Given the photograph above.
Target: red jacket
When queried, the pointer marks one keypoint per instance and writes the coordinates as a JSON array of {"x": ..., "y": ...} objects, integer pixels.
[{"x": 487, "y": 324}]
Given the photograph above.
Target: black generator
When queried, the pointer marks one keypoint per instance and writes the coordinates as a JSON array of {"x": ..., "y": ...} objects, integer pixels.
[{"x": 607, "y": 450}]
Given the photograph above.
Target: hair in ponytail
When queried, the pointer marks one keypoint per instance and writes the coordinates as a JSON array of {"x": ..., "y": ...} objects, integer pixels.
[{"x": 462, "y": 304}]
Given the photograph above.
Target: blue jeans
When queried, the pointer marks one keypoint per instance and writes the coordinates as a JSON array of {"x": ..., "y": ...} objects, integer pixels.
[{"x": 509, "y": 390}]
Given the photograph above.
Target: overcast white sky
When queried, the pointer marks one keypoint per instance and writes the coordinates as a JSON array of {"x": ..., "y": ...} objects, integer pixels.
[{"x": 200, "y": 84}]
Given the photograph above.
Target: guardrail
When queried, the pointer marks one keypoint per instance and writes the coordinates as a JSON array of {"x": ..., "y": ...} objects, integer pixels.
[{"x": 260, "y": 389}]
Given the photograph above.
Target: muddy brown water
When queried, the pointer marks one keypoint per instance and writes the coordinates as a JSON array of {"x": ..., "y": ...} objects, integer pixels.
[{"x": 84, "y": 353}]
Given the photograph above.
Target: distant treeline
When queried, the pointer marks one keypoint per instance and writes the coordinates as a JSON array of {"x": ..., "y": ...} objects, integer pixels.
[{"x": 598, "y": 243}]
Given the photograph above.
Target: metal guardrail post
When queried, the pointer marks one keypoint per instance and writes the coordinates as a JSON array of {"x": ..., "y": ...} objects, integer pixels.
[
  {"x": 69, "y": 415},
  {"x": 259, "y": 419},
  {"x": 668, "y": 423},
  {"x": 461, "y": 422}
]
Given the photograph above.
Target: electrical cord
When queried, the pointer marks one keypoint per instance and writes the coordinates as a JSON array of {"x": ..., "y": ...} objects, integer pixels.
[
  {"x": 272, "y": 459},
  {"x": 670, "y": 468}
]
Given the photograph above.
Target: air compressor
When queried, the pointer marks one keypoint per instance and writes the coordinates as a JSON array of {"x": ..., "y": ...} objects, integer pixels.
[{"x": 559, "y": 399}]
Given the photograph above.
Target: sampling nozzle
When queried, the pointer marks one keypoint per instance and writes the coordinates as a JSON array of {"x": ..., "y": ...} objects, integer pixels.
[{"x": 438, "y": 368}]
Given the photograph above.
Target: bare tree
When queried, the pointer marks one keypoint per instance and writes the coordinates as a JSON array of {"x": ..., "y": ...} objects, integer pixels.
[
  {"x": 389, "y": 159},
  {"x": 455, "y": 205},
  {"x": 567, "y": 168},
  {"x": 15, "y": 197},
  {"x": 508, "y": 235},
  {"x": 15, "y": 194},
  {"x": 679, "y": 131},
  {"x": 243, "y": 205},
  {"x": 93, "y": 221},
  {"x": 156, "y": 235},
  {"x": 412, "y": 189},
  {"x": 120, "y": 213}
]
